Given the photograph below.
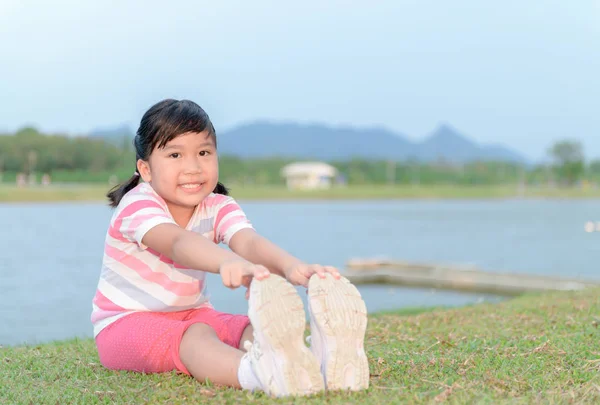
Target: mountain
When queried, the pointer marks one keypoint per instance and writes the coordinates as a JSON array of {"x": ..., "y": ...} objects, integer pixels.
[
  {"x": 261, "y": 139},
  {"x": 448, "y": 143},
  {"x": 264, "y": 139}
]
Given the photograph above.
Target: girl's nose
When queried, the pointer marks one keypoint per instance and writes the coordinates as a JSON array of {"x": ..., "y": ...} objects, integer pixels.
[{"x": 193, "y": 166}]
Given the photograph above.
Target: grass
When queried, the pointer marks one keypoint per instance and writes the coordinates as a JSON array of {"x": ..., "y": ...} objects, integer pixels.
[
  {"x": 53, "y": 193},
  {"x": 532, "y": 349},
  {"x": 90, "y": 192}
]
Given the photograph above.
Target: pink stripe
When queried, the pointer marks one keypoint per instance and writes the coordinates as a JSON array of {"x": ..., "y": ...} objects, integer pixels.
[
  {"x": 167, "y": 260},
  {"x": 116, "y": 234},
  {"x": 215, "y": 200},
  {"x": 145, "y": 271},
  {"x": 224, "y": 211},
  {"x": 161, "y": 257},
  {"x": 100, "y": 315},
  {"x": 230, "y": 222},
  {"x": 133, "y": 208},
  {"x": 104, "y": 303},
  {"x": 115, "y": 230},
  {"x": 140, "y": 219}
]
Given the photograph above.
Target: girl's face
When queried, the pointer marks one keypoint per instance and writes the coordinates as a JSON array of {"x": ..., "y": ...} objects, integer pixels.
[{"x": 184, "y": 172}]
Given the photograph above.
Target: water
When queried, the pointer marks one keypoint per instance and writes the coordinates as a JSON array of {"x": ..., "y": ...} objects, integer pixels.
[{"x": 51, "y": 253}]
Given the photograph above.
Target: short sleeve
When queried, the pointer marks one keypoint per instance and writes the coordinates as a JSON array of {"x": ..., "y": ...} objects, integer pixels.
[
  {"x": 139, "y": 212},
  {"x": 229, "y": 219}
]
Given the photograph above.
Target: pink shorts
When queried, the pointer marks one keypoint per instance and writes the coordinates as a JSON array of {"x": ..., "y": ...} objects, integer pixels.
[{"x": 149, "y": 342}]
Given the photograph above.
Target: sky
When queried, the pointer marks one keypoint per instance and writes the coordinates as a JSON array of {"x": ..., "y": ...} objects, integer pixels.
[{"x": 519, "y": 73}]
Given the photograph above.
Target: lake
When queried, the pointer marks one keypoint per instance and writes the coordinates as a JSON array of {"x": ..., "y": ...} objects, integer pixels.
[{"x": 51, "y": 254}]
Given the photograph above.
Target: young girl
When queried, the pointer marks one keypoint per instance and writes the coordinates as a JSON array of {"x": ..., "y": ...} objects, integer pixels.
[{"x": 150, "y": 313}]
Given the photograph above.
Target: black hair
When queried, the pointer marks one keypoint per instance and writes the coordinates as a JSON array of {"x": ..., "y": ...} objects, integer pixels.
[{"x": 163, "y": 122}]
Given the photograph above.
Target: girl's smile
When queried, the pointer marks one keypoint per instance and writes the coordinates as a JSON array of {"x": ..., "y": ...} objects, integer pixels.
[{"x": 191, "y": 188}]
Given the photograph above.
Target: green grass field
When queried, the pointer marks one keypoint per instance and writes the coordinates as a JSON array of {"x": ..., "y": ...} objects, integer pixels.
[
  {"x": 83, "y": 192},
  {"x": 532, "y": 349}
]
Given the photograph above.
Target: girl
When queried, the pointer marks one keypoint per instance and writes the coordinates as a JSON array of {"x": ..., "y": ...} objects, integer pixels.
[{"x": 150, "y": 312}]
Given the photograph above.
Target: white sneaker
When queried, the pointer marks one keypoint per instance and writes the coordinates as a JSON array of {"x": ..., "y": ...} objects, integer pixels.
[
  {"x": 338, "y": 322},
  {"x": 280, "y": 359}
]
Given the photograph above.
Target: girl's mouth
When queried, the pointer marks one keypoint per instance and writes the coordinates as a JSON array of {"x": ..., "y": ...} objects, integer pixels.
[{"x": 191, "y": 187}]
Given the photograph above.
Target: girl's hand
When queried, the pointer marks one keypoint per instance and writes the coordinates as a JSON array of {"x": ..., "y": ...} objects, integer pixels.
[
  {"x": 300, "y": 273},
  {"x": 236, "y": 273}
]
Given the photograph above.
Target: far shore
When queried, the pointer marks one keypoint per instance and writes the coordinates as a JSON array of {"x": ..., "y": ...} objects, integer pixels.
[{"x": 97, "y": 193}]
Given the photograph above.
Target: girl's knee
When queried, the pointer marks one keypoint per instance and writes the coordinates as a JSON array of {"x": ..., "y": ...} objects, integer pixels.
[
  {"x": 198, "y": 330},
  {"x": 248, "y": 334},
  {"x": 195, "y": 333}
]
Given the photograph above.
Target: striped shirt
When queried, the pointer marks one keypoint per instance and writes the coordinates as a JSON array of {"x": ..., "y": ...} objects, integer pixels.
[{"x": 135, "y": 278}]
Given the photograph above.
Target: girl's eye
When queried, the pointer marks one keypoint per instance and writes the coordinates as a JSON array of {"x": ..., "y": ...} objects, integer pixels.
[
  {"x": 204, "y": 153},
  {"x": 174, "y": 155}
]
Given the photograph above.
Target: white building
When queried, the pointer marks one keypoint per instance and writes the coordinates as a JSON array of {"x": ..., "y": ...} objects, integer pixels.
[{"x": 309, "y": 175}]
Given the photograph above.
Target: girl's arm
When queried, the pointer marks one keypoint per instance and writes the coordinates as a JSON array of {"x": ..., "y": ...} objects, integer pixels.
[
  {"x": 194, "y": 251},
  {"x": 251, "y": 246},
  {"x": 257, "y": 249},
  {"x": 187, "y": 248}
]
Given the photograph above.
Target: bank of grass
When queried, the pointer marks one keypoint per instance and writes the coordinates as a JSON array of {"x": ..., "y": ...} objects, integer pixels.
[
  {"x": 91, "y": 192},
  {"x": 74, "y": 192},
  {"x": 532, "y": 349}
]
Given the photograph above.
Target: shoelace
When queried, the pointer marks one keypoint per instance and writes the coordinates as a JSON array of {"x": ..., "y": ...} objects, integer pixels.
[{"x": 253, "y": 349}]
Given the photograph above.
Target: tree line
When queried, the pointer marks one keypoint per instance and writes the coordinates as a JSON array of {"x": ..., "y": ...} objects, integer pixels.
[
  {"x": 29, "y": 151},
  {"x": 85, "y": 159}
]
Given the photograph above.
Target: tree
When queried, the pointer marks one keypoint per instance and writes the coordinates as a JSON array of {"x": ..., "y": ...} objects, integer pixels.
[
  {"x": 595, "y": 166},
  {"x": 568, "y": 159},
  {"x": 594, "y": 170}
]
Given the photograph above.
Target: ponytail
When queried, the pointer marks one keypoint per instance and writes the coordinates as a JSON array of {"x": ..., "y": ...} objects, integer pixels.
[
  {"x": 116, "y": 193},
  {"x": 221, "y": 189}
]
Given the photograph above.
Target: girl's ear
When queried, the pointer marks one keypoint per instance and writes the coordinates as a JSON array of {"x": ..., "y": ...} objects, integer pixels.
[{"x": 144, "y": 170}]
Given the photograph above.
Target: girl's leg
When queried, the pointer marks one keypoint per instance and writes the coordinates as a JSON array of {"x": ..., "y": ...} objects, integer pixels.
[
  {"x": 153, "y": 342},
  {"x": 247, "y": 335},
  {"x": 207, "y": 357}
]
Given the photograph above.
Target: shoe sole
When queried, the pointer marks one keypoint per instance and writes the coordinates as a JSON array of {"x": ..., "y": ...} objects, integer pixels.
[
  {"x": 281, "y": 322},
  {"x": 340, "y": 314}
]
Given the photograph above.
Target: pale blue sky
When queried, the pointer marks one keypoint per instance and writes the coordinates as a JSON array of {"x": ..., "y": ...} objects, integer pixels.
[{"x": 521, "y": 73}]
